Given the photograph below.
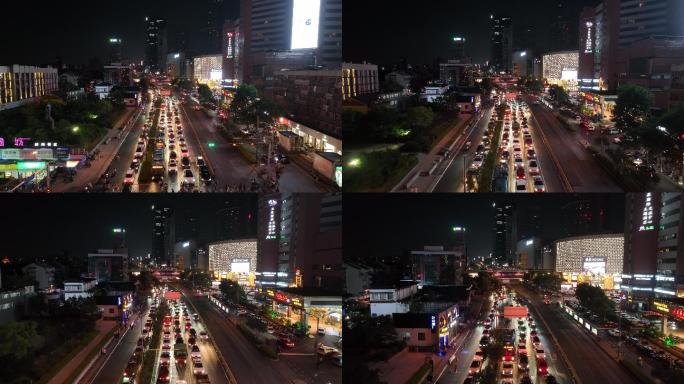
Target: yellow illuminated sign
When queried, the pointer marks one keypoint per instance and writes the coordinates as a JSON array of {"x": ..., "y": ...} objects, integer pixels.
[{"x": 661, "y": 306}]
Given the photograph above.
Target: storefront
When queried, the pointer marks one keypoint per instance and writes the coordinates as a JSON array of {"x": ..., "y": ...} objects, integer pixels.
[
  {"x": 311, "y": 139},
  {"x": 597, "y": 105},
  {"x": 312, "y": 310},
  {"x": 672, "y": 316}
]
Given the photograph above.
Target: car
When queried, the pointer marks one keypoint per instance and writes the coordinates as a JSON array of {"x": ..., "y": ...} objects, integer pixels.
[
  {"x": 321, "y": 331},
  {"x": 179, "y": 339},
  {"x": 479, "y": 355},
  {"x": 163, "y": 374},
  {"x": 508, "y": 355},
  {"x": 475, "y": 367},
  {"x": 195, "y": 352},
  {"x": 539, "y": 352},
  {"x": 533, "y": 333},
  {"x": 520, "y": 173},
  {"x": 484, "y": 341},
  {"x": 523, "y": 362},
  {"x": 539, "y": 184},
  {"x": 517, "y": 160},
  {"x": 130, "y": 176},
  {"x": 286, "y": 342},
  {"x": 550, "y": 379},
  {"x": 480, "y": 149},
  {"x": 138, "y": 153},
  {"x": 477, "y": 161},
  {"x": 507, "y": 369},
  {"x": 522, "y": 348},
  {"x": 197, "y": 368},
  {"x": 200, "y": 161},
  {"x": 525, "y": 380},
  {"x": 165, "y": 358},
  {"x": 533, "y": 167},
  {"x": 188, "y": 179},
  {"x": 130, "y": 371},
  {"x": 191, "y": 340},
  {"x": 173, "y": 169},
  {"x": 185, "y": 162},
  {"x": 204, "y": 335},
  {"x": 173, "y": 155},
  {"x": 270, "y": 329},
  {"x": 542, "y": 367},
  {"x": 505, "y": 156},
  {"x": 521, "y": 185},
  {"x": 205, "y": 176},
  {"x": 531, "y": 154},
  {"x": 137, "y": 353}
]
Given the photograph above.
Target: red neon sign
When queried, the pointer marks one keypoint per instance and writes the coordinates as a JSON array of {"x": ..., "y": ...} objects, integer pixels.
[
  {"x": 282, "y": 297},
  {"x": 677, "y": 312}
]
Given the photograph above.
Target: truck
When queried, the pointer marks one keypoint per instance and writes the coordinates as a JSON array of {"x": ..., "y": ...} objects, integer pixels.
[{"x": 180, "y": 353}]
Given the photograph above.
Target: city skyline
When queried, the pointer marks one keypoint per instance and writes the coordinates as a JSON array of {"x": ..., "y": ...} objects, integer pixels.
[
  {"x": 90, "y": 225},
  {"x": 425, "y": 33},
  {"x": 59, "y": 29}
]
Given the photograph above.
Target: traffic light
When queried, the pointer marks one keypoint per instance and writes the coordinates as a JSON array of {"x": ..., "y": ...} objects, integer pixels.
[{"x": 211, "y": 144}]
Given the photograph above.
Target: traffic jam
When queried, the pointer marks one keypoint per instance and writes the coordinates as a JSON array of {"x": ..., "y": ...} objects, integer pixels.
[
  {"x": 174, "y": 168},
  {"x": 180, "y": 354},
  {"x": 524, "y": 359},
  {"x": 518, "y": 151}
]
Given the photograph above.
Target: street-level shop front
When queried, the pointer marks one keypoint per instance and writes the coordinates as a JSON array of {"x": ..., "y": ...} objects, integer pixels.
[{"x": 313, "y": 310}]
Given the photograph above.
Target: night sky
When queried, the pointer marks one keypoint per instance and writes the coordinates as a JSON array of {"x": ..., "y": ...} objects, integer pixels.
[
  {"x": 40, "y": 225},
  {"x": 377, "y": 225},
  {"x": 36, "y": 32},
  {"x": 382, "y": 31}
]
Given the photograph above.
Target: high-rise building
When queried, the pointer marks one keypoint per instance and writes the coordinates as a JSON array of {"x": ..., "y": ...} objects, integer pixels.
[
  {"x": 20, "y": 84},
  {"x": 157, "y": 45},
  {"x": 215, "y": 18},
  {"x": 115, "y": 50},
  {"x": 329, "y": 52},
  {"x": 308, "y": 232},
  {"x": 642, "y": 223},
  {"x": 563, "y": 28},
  {"x": 457, "y": 48},
  {"x": 585, "y": 217},
  {"x": 505, "y": 233},
  {"x": 271, "y": 25},
  {"x": 433, "y": 265},
  {"x": 163, "y": 235},
  {"x": 501, "y": 43},
  {"x": 670, "y": 267},
  {"x": 235, "y": 221},
  {"x": 641, "y": 19},
  {"x": 108, "y": 265}
]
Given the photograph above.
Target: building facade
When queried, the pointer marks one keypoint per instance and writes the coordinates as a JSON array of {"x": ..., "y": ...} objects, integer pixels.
[
  {"x": 234, "y": 260},
  {"x": 670, "y": 266},
  {"x": 593, "y": 259},
  {"x": 163, "y": 235},
  {"x": 642, "y": 223},
  {"x": 433, "y": 265},
  {"x": 208, "y": 69},
  {"x": 20, "y": 84},
  {"x": 359, "y": 79},
  {"x": 108, "y": 265},
  {"x": 501, "y": 43},
  {"x": 156, "y": 44},
  {"x": 42, "y": 273},
  {"x": 75, "y": 289}
]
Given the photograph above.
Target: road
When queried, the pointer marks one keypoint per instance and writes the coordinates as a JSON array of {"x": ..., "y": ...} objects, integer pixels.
[
  {"x": 114, "y": 366},
  {"x": 581, "y": 171},
  {"x": 247, "y": 364},
  {"x": 452, "y": 180},
  {"x": 229, "y": 166},
  {"x": 591, "y": 364}
]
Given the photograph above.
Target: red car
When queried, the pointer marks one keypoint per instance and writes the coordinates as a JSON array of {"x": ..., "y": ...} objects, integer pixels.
[{"x": 542, "y": 367}]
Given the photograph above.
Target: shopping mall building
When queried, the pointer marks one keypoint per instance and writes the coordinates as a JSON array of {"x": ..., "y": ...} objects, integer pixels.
[{"x": 593, "y": 259}]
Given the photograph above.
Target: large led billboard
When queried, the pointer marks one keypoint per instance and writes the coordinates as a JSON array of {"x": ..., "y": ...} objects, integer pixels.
[
  {"x": 305, "y": 15},
  {"x": 594, "y": 265},
  {"x": 239, "y": 266}
]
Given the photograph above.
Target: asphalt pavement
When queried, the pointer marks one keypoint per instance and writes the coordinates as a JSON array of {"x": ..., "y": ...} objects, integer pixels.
[
  {"x": 589, "y": 362},
  {"x": 582, "y": 172}
]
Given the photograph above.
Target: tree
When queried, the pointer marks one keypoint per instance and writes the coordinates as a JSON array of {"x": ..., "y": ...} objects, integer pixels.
[
  {"x": 242, "y": 106},
  {"x": 16, "y": 338},
  {"x": 559, "y": 94},
  {"x": 419, "y": 117},
  {"x": 146, "y": 280},
  {"x": 487, "y": 85},
  {"x": 318, "y": 314},
  {"x": 205, "y": 93},
  {"x": 232, "y": 291},
  {"x": 632, "y": 107}
]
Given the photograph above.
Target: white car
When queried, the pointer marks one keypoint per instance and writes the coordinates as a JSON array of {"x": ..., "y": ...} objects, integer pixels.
[
  {"x": 130, "y": 176},
  {"x": 195, "y": 353},
  {"x": 521, "y": 185},
  {"x": 197, "y": 368},
  {"x": 188, "y": 177},
  {"x": 204, "y": 335},
  {"x": 173, "y": 167},
  {"x": 477, "y": 162}
]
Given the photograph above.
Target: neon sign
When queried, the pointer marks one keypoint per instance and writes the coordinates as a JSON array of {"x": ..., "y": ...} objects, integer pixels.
[
  {"x": 229, "y": 48},
  {"x": 19, "y": 141},
  {"x": 647, "y": 215},
  {"x": 588, "y": 44},
  {"x": 271, "y": 221},
  {"x": 2, "y": 142},
  {"x": 433, "y": 322}
]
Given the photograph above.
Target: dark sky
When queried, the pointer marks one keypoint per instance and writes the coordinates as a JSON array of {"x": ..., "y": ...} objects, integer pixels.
[
  {"x": 38, "y": 225},
  {"x": 381, "y": 31},
  {"x": 388, "y": 224},
  {"x": 36, "y": 32}
]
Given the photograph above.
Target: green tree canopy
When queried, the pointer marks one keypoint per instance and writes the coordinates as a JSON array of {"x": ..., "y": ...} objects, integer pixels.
[
  {"x": 16, "y": 338},
  {"x": 632, "y": 107},
  {"x": 419, "y": 117},
  {"x": 232, "y": 291},
  {"x": 205, "y": 93}
]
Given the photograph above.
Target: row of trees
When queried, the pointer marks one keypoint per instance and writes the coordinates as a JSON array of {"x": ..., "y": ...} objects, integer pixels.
[
  {"x": 594, "y": 299},
  {"x": 382, "y": 124},
  {"x": 247, "y": 105}
]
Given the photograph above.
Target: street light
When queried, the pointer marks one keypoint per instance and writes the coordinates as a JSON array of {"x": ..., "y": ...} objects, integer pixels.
[
  {"x": 355, "y": 163},
  {"x": 75, "y": 129}
]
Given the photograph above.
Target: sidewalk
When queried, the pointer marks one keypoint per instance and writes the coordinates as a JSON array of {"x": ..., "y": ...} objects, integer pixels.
[
  {"x": 101, "y": 161},
  {"x": 103, "y": 327},
  {"x": 422, "y": 177}
]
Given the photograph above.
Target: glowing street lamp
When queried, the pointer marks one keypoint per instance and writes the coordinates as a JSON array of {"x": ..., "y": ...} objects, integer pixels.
[
  {"x": 75, "y": 129},
  {"x": 355, "y": 162}
]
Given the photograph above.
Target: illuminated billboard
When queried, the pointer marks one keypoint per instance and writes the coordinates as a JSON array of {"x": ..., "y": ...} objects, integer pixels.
[
  {"x": 594, "y": 265},
  {"x": 239, "y": 266},
  {"x": 305, "y": 16}
]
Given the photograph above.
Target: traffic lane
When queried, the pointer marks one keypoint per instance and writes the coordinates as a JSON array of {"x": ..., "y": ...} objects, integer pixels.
[
  {"x": 127, "y": 152},
  {"x": 210, "y": 359},
  {"x": 584, "y": 174},
  {"x": 550, "y": 173},
  {"x": 245, "y": 361},
  {"x": 452, "y": 181},
  {"x": 593, "y": 366},
  {"x": 113, "y": 371},
  {"x": 229, "y": 167}
]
